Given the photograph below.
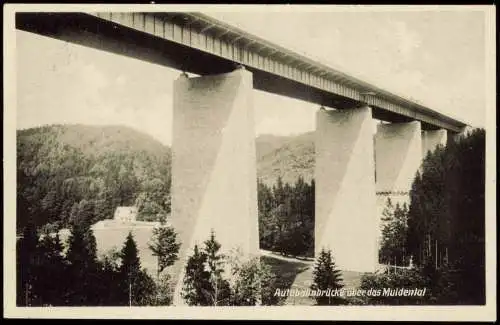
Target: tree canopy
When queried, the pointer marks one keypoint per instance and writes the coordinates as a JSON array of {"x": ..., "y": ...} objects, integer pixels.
[
  {"x": 286, "y": 217},
  {"x": 61, "y": 168},
  {"x": 326, "y": 276}
]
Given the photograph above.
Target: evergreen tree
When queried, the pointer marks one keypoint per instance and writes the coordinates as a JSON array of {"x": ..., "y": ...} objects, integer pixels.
[
  {"x": 326, "y": 276},
  {"x": 83, "y": 267},
  {"x": 286, "y": 217},
  {"x": 130, "y": 262},
  {"x": 196, "y": 280},
  {"x": 130, "y": 268},
  {"x": 219, "y": 290},
  {"x": 279, "y": 192},
  {"x": 140, "y": 288},
  {"x": 165, "y": 247},
  {"x": 265, "y": 206},
  {"x": 145, "y": 290},
  {"x": 394, "y": 234},
  {"x": 52, "y": 266},
  {"x": 27, "y": 261},
  {"x": 110, "y": 288},
  {"x": 204, "y": 284}
]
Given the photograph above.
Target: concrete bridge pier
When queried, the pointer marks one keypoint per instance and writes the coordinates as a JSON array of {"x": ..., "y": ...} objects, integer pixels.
[
  {"x": 214, "y": 182},
  {"x": 431, "y": 139},
  {"x": 398, "y": 156},
  {"x": 456, "y": 136},
  {"x": 345, "y": 219}
]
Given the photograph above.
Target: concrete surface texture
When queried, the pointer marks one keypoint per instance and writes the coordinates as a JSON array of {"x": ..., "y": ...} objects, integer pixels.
[
  {"x": 345, "y": 188},
  {"x": 214, "y": 181},
  {"x": 398, "y": 155},
  {"x": 431, "y": 139}
]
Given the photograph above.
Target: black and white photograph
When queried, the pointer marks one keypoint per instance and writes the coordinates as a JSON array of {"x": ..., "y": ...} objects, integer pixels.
[{"x": 309, "y": 162}]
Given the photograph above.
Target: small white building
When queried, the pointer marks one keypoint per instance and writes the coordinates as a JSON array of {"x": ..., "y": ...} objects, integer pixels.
[{"x": 125, "y": 214}]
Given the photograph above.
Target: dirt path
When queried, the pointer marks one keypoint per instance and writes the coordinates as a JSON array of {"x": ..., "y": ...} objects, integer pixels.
[{"x": 285, "y": 258}]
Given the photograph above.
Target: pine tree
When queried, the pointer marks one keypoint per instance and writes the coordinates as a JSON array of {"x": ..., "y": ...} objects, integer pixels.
[
  {"x": 196, "y": 280},
  {"x": 137, "y": 286},
  {"x": 204, "y": 284},
  {"x": 27, "y": 249},
  {"x": 52, "y": 266},
  {"x": 110, "y": 288},
  {"x": 286, "y": 217},
  {"x": 165, "y": 247},
  {"x": 130, "y": 266},
  {"x": 394, "y": 233},
  {"x": 219, "y": 291},
  {"x": 131, "y": 263},
  {"x": 82, "y": 248},
  {"x": 83, "y": 268},
  {"x": 326, "y": 276}
]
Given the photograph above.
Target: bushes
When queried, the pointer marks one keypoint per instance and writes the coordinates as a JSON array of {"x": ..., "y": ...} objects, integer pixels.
[
  {"x": 206, "y": 282},
  {"x": 442, "y": 287},
  {"x": 253, "y": 283},
  {"x": 385, "y": 286}
]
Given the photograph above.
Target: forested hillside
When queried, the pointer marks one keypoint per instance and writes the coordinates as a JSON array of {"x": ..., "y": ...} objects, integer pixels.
[
  {"x": 288, "y": 157},
  {"x": 63, "y": 170}
]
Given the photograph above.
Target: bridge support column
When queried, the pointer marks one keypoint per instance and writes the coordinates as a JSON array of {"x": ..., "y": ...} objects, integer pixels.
[
  {"x": 431, "y": 139},
  {"x": 345, "y": 219},
  {"x": 214, "y": 182},
  {"x": 456, "y": 136},
  {"x": 398, "y": 156}
]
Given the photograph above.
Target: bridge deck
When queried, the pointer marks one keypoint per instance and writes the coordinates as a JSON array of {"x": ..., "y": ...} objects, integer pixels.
[{"x": 200, "y": 44}]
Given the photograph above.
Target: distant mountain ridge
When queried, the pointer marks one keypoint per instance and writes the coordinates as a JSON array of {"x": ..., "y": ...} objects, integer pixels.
[
  {"x": 97, "y": 139},
  {"x": 286, "y": 156}
]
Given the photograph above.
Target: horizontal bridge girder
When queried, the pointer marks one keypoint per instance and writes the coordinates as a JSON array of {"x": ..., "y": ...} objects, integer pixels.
[{"x": 196, "y": 43}]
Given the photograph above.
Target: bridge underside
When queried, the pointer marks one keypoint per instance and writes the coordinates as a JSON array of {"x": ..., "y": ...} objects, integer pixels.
[{"x": 90, "y": 31}]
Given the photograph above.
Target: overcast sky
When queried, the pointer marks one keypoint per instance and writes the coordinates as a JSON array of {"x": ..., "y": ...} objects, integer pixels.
[{"x": 436, "y": 58}]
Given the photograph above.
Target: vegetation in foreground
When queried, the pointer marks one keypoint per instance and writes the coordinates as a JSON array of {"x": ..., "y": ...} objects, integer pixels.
[
  {"x": 214, "y": 279},
  {"x": 81, "y": 278}
]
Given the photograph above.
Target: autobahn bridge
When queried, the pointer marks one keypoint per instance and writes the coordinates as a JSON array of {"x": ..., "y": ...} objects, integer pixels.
[{"x": 214, "y": 168}]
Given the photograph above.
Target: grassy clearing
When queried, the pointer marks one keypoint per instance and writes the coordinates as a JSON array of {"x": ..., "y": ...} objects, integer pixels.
[
  {"x": 285, "y": 272},
  {"x": 114, "y": 238},
  {"x": 298, "y": 276},
  {"x": 109, "y": 239}
]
